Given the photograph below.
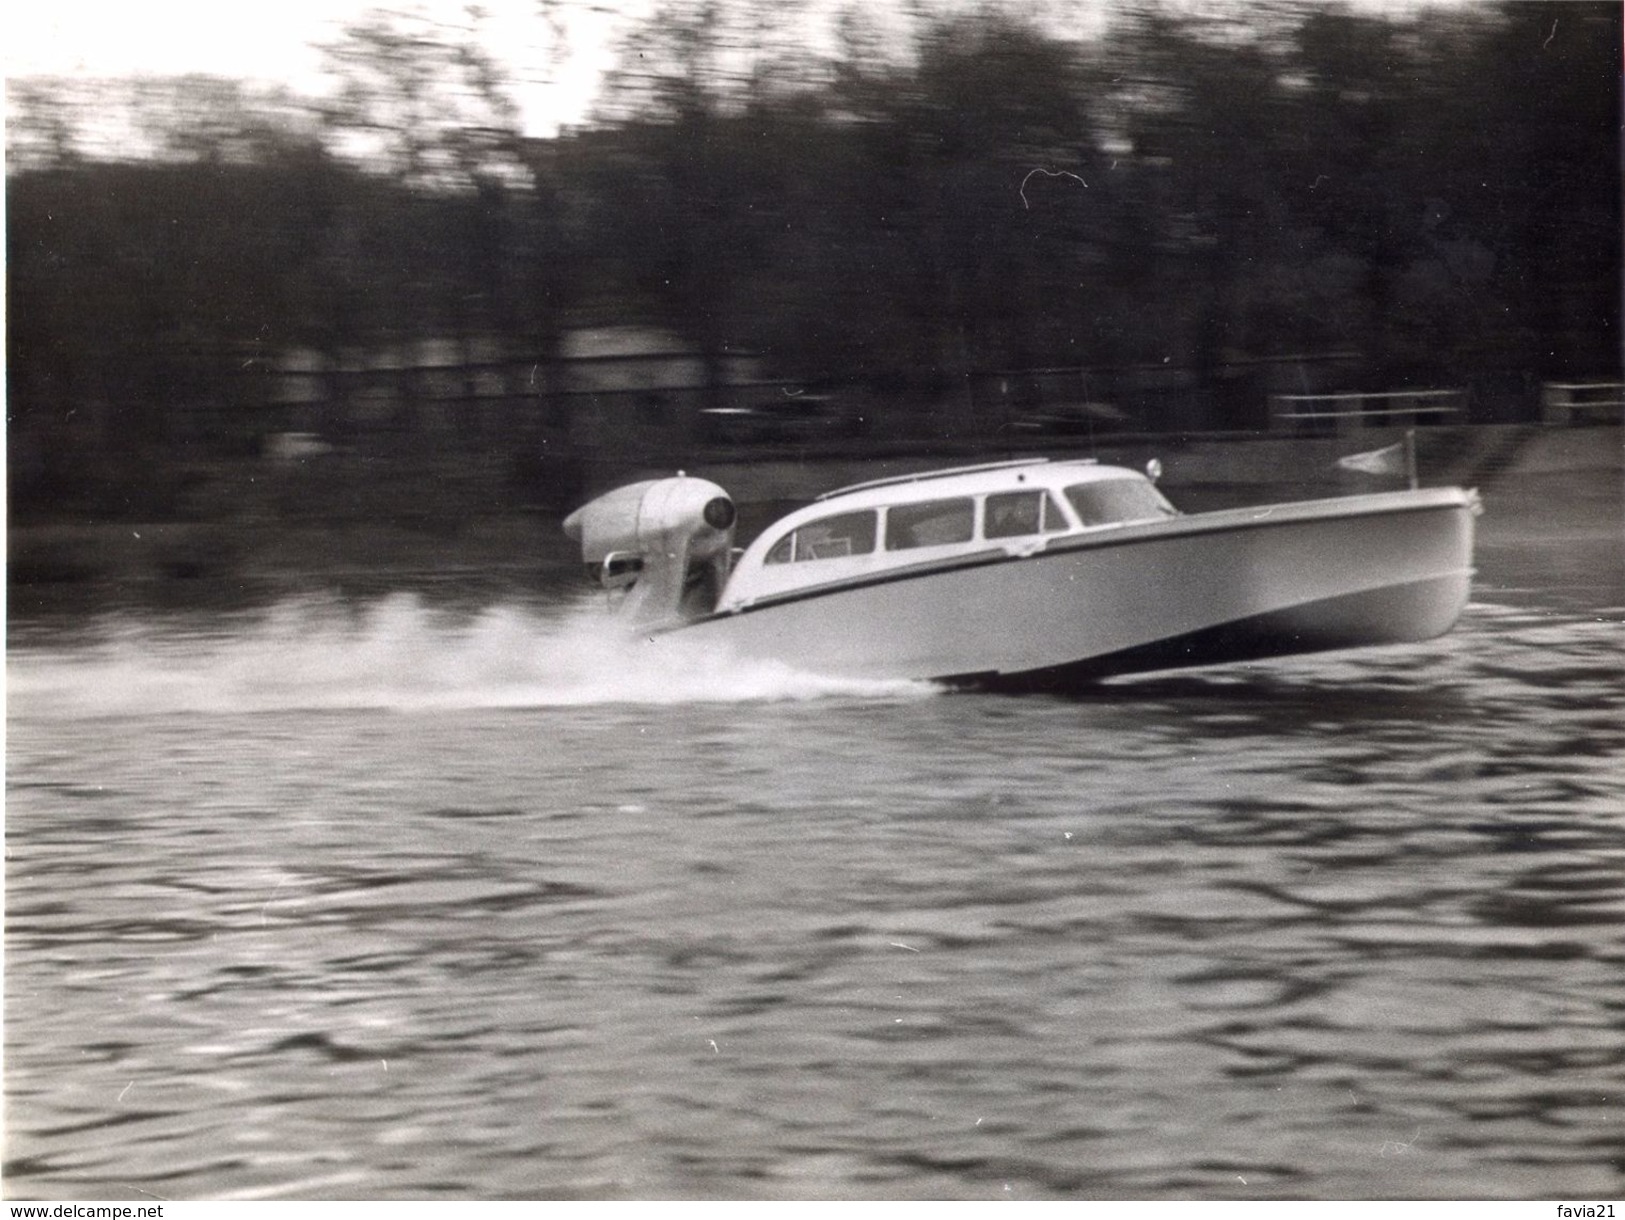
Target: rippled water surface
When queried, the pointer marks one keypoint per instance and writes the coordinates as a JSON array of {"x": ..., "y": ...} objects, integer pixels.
[{"x": 382, "y": 900}]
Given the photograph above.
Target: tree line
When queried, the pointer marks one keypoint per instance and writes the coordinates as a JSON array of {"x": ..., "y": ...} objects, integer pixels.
[{"x": 905, "y": 205}]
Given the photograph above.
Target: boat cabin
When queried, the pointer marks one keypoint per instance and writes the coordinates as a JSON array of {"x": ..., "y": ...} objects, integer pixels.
[{"x": 938, "y": 518}]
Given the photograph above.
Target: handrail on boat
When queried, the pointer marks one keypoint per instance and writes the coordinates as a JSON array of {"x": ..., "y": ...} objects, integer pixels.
[{"x": 921, "y": 476}]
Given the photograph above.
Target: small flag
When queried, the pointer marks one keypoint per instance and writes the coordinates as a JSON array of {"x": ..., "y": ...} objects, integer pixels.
[
  {"x": 1390, "y": 460},
  {"x": 1398, "y": 458}
]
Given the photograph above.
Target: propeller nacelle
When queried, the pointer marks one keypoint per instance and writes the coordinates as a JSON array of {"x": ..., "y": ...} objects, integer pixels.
[{"x": 665, "y": 544}]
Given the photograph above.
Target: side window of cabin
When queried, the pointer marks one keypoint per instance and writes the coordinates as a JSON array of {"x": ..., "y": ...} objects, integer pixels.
[
  {"x": 1013, "y": 514},
  {"x": 934, "y": 523},
  {"x": 1113, "y": 501},
  {"x": 830, "y": 538}
]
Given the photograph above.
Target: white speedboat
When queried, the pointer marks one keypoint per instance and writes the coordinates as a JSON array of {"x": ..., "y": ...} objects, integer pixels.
[{"x": 1029, "y": 574}]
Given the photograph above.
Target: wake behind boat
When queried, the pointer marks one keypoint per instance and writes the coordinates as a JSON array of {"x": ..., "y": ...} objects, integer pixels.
[{"x": 1029, "y": 574}]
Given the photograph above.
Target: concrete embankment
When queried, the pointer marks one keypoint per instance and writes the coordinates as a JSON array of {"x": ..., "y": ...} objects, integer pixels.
[{"x": 1560, "y": 491}]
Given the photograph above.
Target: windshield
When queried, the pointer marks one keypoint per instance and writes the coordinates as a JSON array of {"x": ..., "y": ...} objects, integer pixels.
[{"x": 1115, "y": 501}]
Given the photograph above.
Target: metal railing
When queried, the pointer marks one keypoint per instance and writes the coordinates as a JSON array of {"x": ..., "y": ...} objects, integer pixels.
[
  {"x": 1341, "y": 413},
  {"x": 1562, "y": 401}
]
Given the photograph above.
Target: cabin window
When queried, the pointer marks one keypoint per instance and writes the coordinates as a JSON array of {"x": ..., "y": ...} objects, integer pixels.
[
  {"x": 1016, "y": 513},
  {"x": 934, "y": 523},
  {"x": 1114, "y": 501},
  {"x": 829, "y": 538}
]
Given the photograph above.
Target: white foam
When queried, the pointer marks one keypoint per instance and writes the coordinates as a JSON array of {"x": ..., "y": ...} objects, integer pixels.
[{"x": 395, "y": 653}]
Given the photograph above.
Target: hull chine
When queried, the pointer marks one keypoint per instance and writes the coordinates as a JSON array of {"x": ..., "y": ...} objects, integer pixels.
[{"x": 1402, "y": 614}]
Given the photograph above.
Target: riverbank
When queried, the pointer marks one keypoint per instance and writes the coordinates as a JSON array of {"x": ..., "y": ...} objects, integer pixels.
[{"x": 1553, "y": 497}]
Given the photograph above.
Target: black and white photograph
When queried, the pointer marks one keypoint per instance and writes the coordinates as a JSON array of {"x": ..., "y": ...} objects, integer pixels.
[{"x": 642, "y": 602}]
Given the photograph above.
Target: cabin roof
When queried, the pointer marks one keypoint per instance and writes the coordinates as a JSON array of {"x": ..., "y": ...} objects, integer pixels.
[
  {"x": 967, "y": 481},
  {"x": 922, "y": 476}
]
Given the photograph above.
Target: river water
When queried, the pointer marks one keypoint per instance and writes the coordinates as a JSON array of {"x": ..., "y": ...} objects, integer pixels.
[{"x": 405, "y": 896}]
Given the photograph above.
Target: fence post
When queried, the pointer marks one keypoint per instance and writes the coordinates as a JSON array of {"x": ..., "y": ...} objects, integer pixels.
[
  {"x": 1352, "y": 421},
  {"x": 1554, "y": 405}
]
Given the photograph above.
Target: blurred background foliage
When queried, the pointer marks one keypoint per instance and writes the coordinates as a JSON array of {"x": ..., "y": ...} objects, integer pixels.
[{"x": 918, "y": 196}]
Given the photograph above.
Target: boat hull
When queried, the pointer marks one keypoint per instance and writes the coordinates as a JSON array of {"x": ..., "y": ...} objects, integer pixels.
[{"x": 1197, "y": 590}]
